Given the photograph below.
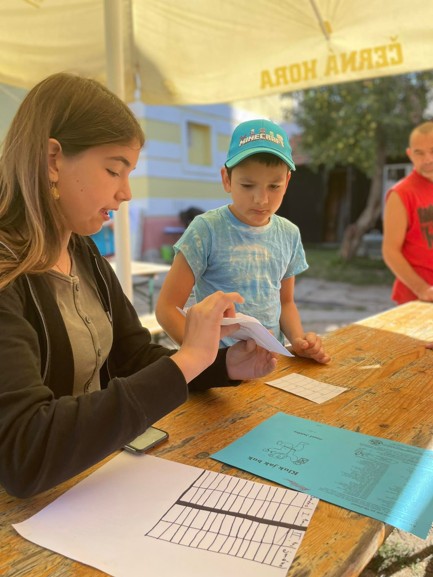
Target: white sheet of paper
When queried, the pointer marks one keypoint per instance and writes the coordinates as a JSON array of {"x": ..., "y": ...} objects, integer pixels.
[
  {"x": 143, "y": 515},
  {"x": 251, "y": 328},
  {"x": 308, "y": 388}
]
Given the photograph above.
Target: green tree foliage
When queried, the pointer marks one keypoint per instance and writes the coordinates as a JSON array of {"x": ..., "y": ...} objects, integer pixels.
[
  {"x": 346, "y": 124},
  {"x": 361, "y": 124}
]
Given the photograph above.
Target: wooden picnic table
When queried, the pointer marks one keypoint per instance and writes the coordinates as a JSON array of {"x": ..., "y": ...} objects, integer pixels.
[
  {"x": 387, "y": 369},
  {"x": 143, "y": 278}
]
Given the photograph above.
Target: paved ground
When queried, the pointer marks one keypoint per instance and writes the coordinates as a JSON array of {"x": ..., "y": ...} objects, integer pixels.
[{"x": 326, "y": 306}]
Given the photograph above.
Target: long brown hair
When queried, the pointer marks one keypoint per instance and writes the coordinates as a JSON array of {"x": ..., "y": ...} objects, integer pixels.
[{"x": 78, "y": 112}]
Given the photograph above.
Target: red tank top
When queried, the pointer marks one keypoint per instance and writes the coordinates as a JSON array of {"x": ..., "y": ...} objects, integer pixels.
[{"x": 416, "y": 194}]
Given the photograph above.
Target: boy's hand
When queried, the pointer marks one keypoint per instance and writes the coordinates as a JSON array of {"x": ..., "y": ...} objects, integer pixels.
[{"x": 311, "y": 347}]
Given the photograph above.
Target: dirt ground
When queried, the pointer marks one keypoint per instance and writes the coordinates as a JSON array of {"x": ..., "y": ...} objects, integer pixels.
[{"x": 324, "y": 307}]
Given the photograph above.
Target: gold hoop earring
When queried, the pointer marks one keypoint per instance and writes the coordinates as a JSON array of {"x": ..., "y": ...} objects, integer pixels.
[{"x": 54, "y": 190}]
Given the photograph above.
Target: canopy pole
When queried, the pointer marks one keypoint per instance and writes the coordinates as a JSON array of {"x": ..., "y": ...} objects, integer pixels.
[
  {"x": 325, "y": 26},
  {"x": 116, "y": 83}
]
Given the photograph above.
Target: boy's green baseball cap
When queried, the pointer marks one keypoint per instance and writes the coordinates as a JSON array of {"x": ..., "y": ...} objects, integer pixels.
[{"x": 259, "y": 135}]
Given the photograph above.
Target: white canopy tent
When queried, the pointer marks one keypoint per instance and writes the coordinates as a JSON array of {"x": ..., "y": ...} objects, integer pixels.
[
  {"x": 207, "y": 51},
  {"x": 202, "y": 51}
]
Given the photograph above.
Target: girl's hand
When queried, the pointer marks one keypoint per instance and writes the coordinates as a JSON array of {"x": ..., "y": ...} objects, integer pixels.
[
  {"x": 203, "y": 332},
  {"x": 246, "y": 360}
]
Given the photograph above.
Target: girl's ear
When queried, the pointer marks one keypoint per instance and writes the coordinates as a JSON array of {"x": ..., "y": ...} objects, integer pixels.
[
  {"x": 54, "y": 152},
  {"x": 226, "y": 180}
]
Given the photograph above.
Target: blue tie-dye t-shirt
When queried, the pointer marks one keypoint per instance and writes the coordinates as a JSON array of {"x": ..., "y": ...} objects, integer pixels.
[{"x": 226, "y": 254}]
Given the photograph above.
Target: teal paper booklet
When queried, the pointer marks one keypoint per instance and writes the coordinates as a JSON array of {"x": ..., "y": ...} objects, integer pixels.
[{"x": 383, "y": 479}]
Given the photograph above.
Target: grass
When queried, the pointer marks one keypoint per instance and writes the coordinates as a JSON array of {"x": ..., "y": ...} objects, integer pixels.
[{"x": 325, "y": 263}]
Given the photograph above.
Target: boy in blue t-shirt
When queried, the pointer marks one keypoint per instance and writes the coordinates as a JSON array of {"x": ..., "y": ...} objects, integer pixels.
[{"x": 244, "y": 246}]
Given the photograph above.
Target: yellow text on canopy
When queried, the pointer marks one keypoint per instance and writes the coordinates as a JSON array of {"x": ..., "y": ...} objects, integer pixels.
[{"x": 372, "y": 58}]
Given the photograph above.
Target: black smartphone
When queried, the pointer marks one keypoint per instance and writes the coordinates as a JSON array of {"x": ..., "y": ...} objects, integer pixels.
[{"x": 151, "y": 437}]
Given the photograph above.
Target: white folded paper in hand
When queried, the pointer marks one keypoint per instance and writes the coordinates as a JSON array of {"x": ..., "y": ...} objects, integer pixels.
[{"x": 251, "y": 328}]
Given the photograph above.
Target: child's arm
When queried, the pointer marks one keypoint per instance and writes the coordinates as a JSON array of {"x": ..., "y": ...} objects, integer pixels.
[
  {"x": 395, "y": 225},
  {"x": 175, "y": 292},
  {"x": 305, "y": 345}
]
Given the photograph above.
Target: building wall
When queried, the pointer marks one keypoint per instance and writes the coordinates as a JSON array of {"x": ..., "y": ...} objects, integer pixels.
[
  {"x": 10, "y": 99},
  {"x": 175, "y": 173},
  {"x": 180, "y": 164},
  {"x": 303, "y": 203},
  {"x": 322, "y": 204}
]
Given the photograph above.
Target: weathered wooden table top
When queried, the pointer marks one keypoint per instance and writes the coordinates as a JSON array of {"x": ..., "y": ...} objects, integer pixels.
[{"x": 383, "y": 362}]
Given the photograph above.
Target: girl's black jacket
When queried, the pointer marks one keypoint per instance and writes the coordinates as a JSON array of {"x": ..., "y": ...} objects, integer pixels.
[{"x": 46, "y": 434}]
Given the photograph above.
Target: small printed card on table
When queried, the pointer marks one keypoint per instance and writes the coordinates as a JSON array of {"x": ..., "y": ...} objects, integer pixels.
[{"x": 310, "y": 389}]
